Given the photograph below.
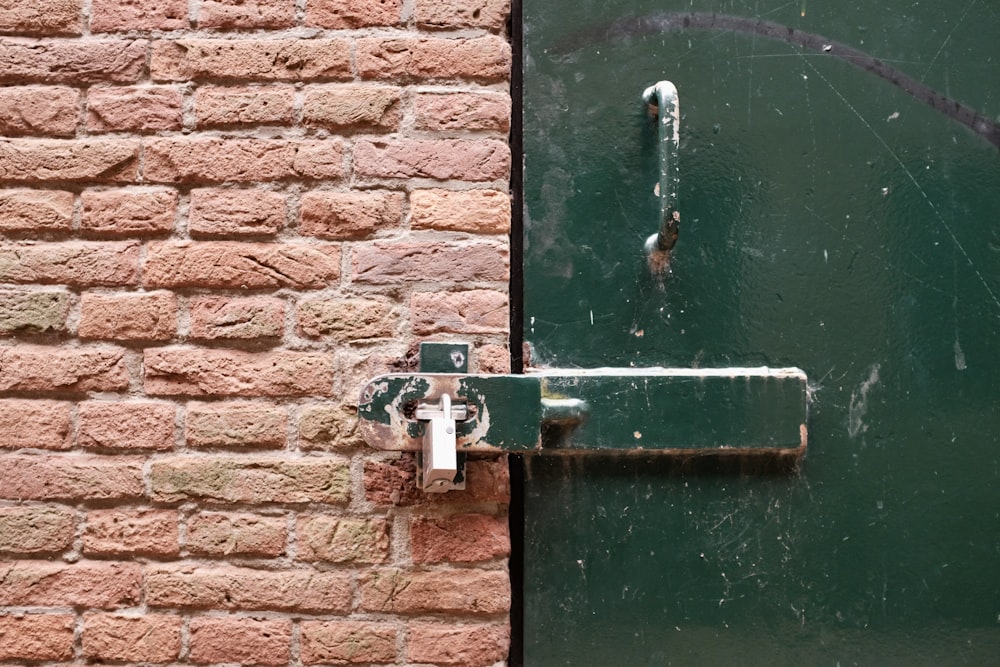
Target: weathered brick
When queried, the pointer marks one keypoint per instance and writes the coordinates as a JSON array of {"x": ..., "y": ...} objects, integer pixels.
[
  {"x": 251, "y": 60},
  {"x": 241, "y": 424},
  {"x": 35, "y": 211},
  {"x": 36, "y": 636},
  {"x": 236, "y": 534},
  {"x": 441, "y": 159},
  {"x": 455, "y": 14},
  {"x": 394, "y": 482},
  {"x": 347, "y": 642},
  {"x": 458, "y": 644},
  {"x": 336, "y": 539},
  {"x": 328, "y": 426},
  {"x": 300, "y": 591},
  {"x": 461, "y": 538},
  {"x": 32, "y": 424},
  {"x": 473, "y": 311},
  {"x": 36, "y": 110},
  {"x": 342, "y": 107},
  {"x": 126, "y": 425},
  {"x": 246, "y": 14},
  {"x": 226, "y": 264},
  {"x": 133, "y": 212},
  {"x": 227, "y": 212},
  {"x": 131, "y": 532},
  {"x": 349, "y": 215},
  {"x": 30, "y": 311},
  {"x": 246, "y": 480},
  {"x": 82, "y": 584},
  {"x": 225, "y": 318},
  {"x": 72, "y": 61},
  {"x": 146, "y": 638},
  {"x": 344, "y": 320},
  {"x": 71, "y": 478},
  {"x": 213, "y": 159},
  {"x": 492, "y": 359},
  {"x": 220, "y": 106},
  {"x": 99, "y": 160},
  {"x": 75, "y": 263},
  {"x": 340, "y": 14},
  {"x": 29, "y": 529},
  {"x": 438, "y": 591},
  {"x": 246, "y": 641},
  {"x": 134, "y": 109},
  {"x": 395, "y": 262},
  {"x": 45, "y": 17},
  {"x": 128, "y": 316},
  {"x": 485, "y": 59},
  {"x": 463, "y": 111},
  {"x": 40, "y": 368},
  {"x": 123, "y": 15},
  {"x": 472, "y": 211}
]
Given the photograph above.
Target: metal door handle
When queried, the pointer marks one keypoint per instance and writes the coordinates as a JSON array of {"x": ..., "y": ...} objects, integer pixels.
[{"x": 663, "y": 95}]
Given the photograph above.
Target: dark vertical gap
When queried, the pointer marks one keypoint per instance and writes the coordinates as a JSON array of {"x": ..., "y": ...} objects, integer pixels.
[{"x": 516, "y": 462}]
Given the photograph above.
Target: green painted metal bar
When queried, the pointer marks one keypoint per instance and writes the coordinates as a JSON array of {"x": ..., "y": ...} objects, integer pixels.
[{"x": 663, "y": 96}]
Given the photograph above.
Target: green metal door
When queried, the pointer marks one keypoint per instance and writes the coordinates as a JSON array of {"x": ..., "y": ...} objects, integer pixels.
[{"x": 840, "y": 212}]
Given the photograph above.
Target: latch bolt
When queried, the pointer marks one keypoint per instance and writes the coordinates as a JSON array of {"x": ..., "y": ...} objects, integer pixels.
[{"x": 440, "y": 469}]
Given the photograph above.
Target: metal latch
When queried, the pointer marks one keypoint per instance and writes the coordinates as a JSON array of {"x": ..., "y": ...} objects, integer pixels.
[{"x": 440, "y": 469}]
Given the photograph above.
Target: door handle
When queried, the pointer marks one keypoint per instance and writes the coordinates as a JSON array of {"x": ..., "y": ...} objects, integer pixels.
[{"x": 663, "y": 96}]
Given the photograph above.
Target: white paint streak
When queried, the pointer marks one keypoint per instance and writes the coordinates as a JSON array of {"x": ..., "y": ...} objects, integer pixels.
[{"x": 859, "y": 404}]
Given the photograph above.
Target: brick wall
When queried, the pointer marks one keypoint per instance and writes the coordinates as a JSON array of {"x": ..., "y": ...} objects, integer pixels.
[{"x": 217, "y": 218}]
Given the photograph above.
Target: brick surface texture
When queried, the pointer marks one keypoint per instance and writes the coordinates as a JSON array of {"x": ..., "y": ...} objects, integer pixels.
[{"x": 217, "y": 219}]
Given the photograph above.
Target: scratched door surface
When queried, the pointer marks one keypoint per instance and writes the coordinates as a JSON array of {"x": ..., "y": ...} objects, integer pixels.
[{"x": 840, "y": 212}]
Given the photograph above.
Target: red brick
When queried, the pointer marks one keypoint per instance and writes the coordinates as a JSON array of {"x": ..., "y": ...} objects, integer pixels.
[
  {"x": 340, "y": 14},
  {"x": 394, "y": 482},
  {"x": 342, "y": 107},
  {"x": 246, "y": 14},
  {"x": 439, "y": 591},
  {"x": 71, "y": 478},
  {"x": 458, "y": 645},
  {"x": 196, "y": 372},
  {"x": 344, "y": 320},
  {"x": 225, "y": 318},
  {"x": 99, "y": 161},
  {"x": 246, "y": 641},
  {"x": 133, "y": 212},
  {"x": 395, "y": 262},
  {"x": 74, "y": 263},
  {"x": 220, "y": 106},
  {"x": 123, "y": 15},
  {"x": 328, "y": 426},
  {"x": 36, "y": 211},
  {"x": 472, "y": 211},
  {"x": 83, "y": 584},
  {"x": 24, "y": 311},
  {"x": 336, "y": 539},
  {"x": 126, "y": 425},
  {"x": 492, "y": 359},
  {"x": 134, "y": 109},
  {"x": 226, "y": 264},
  {"x": 463, "y": 111},
  {"x": 236, "y": 534},
  {"x": 441, "y": 159},
  {"x": 34, "y": 110},
  {"x": 484, "y": 59},
  {"x": 44, "y": 17},
  {"x": 474, "y": 311},
  {"x": 461, "y": 538},
  {"x": 299, "y": 591},
  {"x": 242, "y": 424},
  {"x": 26, "y": 529},
  {"x": 146, "y": 638},
  {"x": 251, "y": 480},
  {"x": 349, "y": 215},
  {"x": 251, "y": 60},
  {"x": 36, "y": 636},
  {"x": 41, "y": 368},
  {"x": 31, "y": 424},
  {"x": 214, "y": 159},
  {"x": 347, "y": 642},
  {"x": 72, "y": 61},
  {"x": 456, "y": 14},
  {"x": 128, "y": 316},
  {"x": 131, "y": 532},
  {"x": 227, "y": 212}
]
